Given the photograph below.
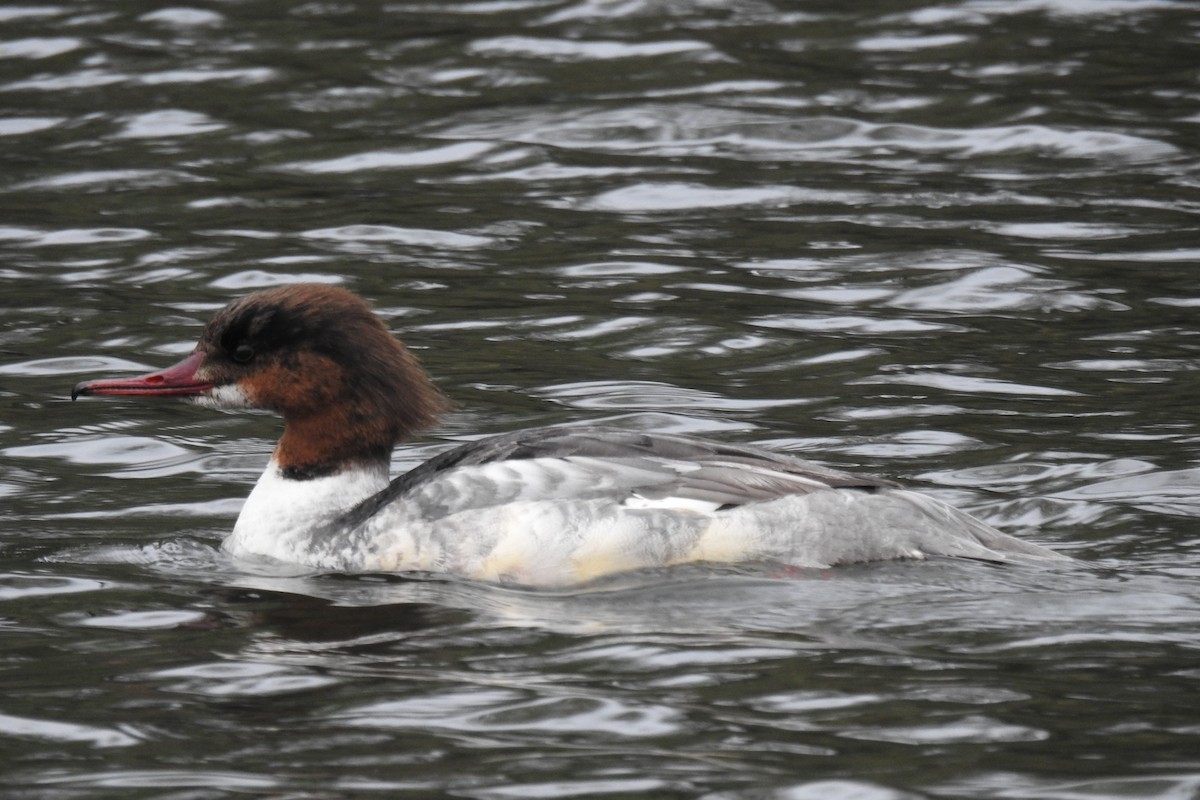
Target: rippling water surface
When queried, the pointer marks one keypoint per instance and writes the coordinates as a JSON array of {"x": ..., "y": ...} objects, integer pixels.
[{"x": 956, "y": 244}]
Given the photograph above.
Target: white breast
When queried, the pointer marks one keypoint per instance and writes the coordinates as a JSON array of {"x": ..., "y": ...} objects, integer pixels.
[{"x": 281, "y": 516}]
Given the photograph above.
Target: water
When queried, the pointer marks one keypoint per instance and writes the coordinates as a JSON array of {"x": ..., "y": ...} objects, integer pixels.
[{"x": 954, "y": 244}]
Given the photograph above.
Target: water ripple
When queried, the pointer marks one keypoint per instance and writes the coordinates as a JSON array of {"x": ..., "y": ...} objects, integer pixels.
[
  {"x": 63, "y": 732},
  {"x": 394, "y": 159},
  {"x": 113, "y": 179},
  {"x": 680, "y": 129},
  {"x": 577, "y": 50},
  {"x": 353, "y": 234},
  {"x": 502, "y": 711},
  {"x": 38, "y": 47}
]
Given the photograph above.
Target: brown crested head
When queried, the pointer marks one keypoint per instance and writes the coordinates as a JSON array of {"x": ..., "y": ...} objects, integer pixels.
[{"x": 347, "y": 389}]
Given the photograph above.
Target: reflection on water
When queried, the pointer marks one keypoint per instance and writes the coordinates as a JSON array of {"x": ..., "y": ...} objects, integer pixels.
[{"x": 952, "y": 244}]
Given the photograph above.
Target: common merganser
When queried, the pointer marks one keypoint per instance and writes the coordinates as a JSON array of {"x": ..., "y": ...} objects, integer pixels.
[{"x": 553, "y": 506}]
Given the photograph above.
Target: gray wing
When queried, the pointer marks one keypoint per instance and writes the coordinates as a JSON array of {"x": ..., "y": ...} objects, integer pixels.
[{"x": 651, "y": 466}]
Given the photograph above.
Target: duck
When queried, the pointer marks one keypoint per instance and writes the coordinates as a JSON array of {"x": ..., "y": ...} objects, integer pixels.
[{"x": 556, "y": 506}]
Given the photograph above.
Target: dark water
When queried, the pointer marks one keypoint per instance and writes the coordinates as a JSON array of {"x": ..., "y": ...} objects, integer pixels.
[{"x": 956, "y": 244}]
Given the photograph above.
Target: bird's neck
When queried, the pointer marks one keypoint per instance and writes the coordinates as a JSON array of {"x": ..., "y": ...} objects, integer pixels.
[{"x": 326, "y": 444}]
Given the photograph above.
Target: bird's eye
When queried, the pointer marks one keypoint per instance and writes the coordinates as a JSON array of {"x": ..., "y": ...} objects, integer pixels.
[{"x": 243, "y": 354}]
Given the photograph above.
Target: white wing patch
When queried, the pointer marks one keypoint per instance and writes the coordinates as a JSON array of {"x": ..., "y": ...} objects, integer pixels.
[{"x": 671, "y": 504}]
